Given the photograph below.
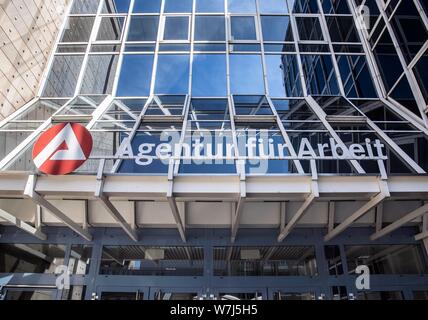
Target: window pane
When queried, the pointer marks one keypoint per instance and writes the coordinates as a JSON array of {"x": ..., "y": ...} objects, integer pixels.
[
  {"x": 111, "y": 28},
  {"x": 176, "y": 28},
  {"x": 143, "y": 28},
  {"x": 210, "y": 28},
  {"x": 99, "y": 74},
  {"x": 276, "y": 28},
  {"x": 31, "y": 258},
  {"x": 242, "y": 6},
  {"x": 309, "y": 28},
  {"x": 282, "y": 74},
  {"x": 135, "y": 67},
  {"x": 115, "y": 6},
  {"x": 243, "y": 28},
  {"x": 84, "y": 6},
  {"x": 209, "y": 6},
  {"x": 178, "y": 6},
  {"x": 209, "y": 75},
  {"x": 172, "y": 74},
  {"x": 63, "y": 76},
  {"x": 246, "y": 74},
  {"x": 78, "y": 29},
  {"x": 320, "y": 75},
  {"x": 273, "y": 6},
  {"x": 147, "y": 6}
]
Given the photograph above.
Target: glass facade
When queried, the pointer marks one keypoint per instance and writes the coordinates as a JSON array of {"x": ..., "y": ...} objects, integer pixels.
[
  {"x": 268, "y": 99},
  {"x": 300, "y": 69}
]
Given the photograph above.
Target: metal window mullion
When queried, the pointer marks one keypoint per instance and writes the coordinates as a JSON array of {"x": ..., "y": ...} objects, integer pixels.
[
  {"x": 298, "y": 55},
  {"x": 122, "y": 48},
  {"x": 322, "y": 116},
  {"x": 132, "y": 134},
  {"x": 161, "y": 29},
  {"x": 326, "y": 33},
  {"x": 286, "y": 138},
  {"x": 420, "y": 100},
  {"x": 92, "y": 38},
  {"x": 422, "y": 12},
  {"x": 99, "y": 111},
  {"x": 177, "y": 162}
]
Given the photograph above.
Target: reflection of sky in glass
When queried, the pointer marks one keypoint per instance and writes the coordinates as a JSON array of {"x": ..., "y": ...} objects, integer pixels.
[
  {"x": 178, "y": 6},
  {"x": 273, "y": 6},
  {"x": 116, "y": 6},
  {"x": 242, "y": 6},
  {"x": 176, "y": 28},
  {"x": 276, "y": 28},
  {"x": 143, "y": 28},
  {"x": 243, "y": 28},
  {"x": 209, "y": 75},
  {"x": 172, "y": 74},
  {"x": 275, "y": 74},
  {"x": 147, "y": 6},
  {"x": 209, "y": 5},
  {"x": 246, "y": 74},
  {"x": 209, "y": 28},
  {"x": 135, "y": 75}
]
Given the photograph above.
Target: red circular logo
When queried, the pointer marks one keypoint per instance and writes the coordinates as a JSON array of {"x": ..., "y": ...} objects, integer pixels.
[{"x": 62, "y": 149}]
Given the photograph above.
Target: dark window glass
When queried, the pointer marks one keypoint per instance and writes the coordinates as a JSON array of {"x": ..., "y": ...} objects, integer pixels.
[
  {"x": 152, "y": 261},
  {"x": 78, "y": 29},
  {"x": 319, "y": 73},
  {"x": 309, "y": 28},
  {"x": 84, "y": 7},
  {"x": 265, "y": 261},
  {"x": 387, "y": 259},
  {"x": 143, "y": 28},
  {"x": 31, "y": 258},
  {"x": 135, "y": 67},
  {"x": 62, "y": 78},
  {"x": 110, "y": 28},
  {"x": 99, "y": 74}
]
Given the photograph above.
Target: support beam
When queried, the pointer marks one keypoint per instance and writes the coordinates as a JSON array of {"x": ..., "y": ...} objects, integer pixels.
[
  {"x": 297, "y": 216},
  {"x": 379, "y": 216},
  {"x": 41, "y": 201},
  {"x": 109, "y": 207},
  {"x": 331, "y": 215},
  {"x": 22, "y": 225},
  {"x": 401, "y": 222},
  {"x": 177, "y": 218},
  {"x": 112, "y": 210},
  {"x": 237, "y": 215},
  {"x": 384, "y": 193}
]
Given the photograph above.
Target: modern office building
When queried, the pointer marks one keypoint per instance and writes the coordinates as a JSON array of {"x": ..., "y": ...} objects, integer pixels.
[{"x": 241, "y": 149}]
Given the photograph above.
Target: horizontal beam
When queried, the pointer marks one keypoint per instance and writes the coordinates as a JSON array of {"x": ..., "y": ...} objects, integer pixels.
[
  {"x": 401, "y": 222},
  {"x": 41, "y": 201},
  {"x": 22, "y": 225}
]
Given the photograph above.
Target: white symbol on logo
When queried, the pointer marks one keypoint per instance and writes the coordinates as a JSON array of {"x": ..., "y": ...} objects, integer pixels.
[
  {"x": 63, "y": 279},
  {"x": 51, "y": 152}
]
